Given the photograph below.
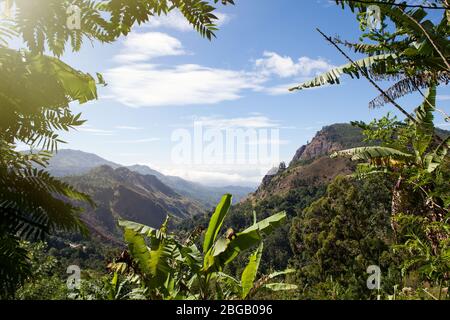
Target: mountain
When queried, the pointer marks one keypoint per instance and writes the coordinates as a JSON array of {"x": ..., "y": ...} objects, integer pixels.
[
  {"x": 292, "y": 189},
  {"x": 124, "y": 194},
  {"x": 328, "y": 140},
  {"x": 68, "y": 162},
  {"x": 207, "y": 195},
  {"x": 311, "y": 164}
]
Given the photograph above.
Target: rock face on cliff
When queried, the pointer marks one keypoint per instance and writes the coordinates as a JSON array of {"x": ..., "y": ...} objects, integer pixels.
[
  {"x": 311, "y": 164},
  {"x": 328, "y": 140}
]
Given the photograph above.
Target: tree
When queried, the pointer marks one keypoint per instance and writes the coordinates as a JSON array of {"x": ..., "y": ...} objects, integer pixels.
[
  {"x": 413, "y": 51},
  {"x": 421, "y": 192},
  {"x": 35, "y": 96},
  {"x": 415, "y": 166},
  {"x": 415, "y": 54},
  {"x": 337, "y": 237}
]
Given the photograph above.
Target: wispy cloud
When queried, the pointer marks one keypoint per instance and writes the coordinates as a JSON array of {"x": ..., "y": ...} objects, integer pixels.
[
  {"x": 284, "y": 66},
  {"x": 443, "y": 97},
  {"x": 138, "y": 141},
  {"x": 140, "y": 47},
  {"x": 255, "y": 122},
  {"x": 269, "y": 142},
  {"x": 138, "y": 82},
  {"x": 95, "y": 131},
  {"x": 217, "y": 176},
  {"x": 129, "y": 128},
  {"x": 175, "y": 20},
  {"x": 280, "y": 89},
  {"x": 148, "y": 85}
]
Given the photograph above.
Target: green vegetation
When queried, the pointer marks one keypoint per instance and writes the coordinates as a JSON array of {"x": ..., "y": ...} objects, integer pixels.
[
  {"x": 339, "y": 236},
  {"x": 412, "y": 154},
  {"x": 32, "y": 203},
  {"x": 392, "y": 212},
  {"x": 416, "y": 160},
  {"x": 161, "y": 266}
]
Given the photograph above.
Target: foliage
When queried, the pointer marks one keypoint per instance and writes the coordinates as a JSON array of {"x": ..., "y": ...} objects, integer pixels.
[
  {"x": 35, "y": 94},
  {"x": 430, "y": 261},
  {"x": 416, "y": 159},
  {"x": 339, "y": 236},
  {"x": 410, "y": 154},
  {"x": 168, "y": 268},
  {"x": 414, "y": 52},
  {"x": 45, "y": 283},
  {"x": 42, "y": 24}
]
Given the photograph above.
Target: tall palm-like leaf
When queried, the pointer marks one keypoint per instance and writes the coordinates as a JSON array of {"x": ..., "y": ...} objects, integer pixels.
[
  {"x": 373, "y": 64},
  {"x": 249, "y": 274},
  {"x": 216, "y": 221}
]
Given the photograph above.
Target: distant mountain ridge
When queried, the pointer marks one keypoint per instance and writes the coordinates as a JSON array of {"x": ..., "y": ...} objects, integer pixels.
[
  {"x": 124, "y": 194},
  {"x": 67, "y": 162}
]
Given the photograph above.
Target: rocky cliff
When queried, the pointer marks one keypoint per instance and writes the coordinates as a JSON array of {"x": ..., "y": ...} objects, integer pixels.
[
  {"x": 328, "y": 140},
  {"x": 311, "y": 164}
]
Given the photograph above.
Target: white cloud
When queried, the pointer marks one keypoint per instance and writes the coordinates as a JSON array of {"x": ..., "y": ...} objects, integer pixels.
[
  {"x": 217, "y": 176},
  {"x": 176, "y": 20},
  {"x": 139, "y": 83},
  {"x": 148, "y": 85},
  {"x": 88, "y": 129},
  {"x": 280, "y": 89},
  {"x": 443, "y": 97},
  {"x": 255, "y": 122},
  {"x": 284, "y": 66},
  {"x": 269, "y": 142},
  {"x": 132, "y": 128},
  {"x": 137, "y": 141},
  {"x": 140, "y": 47}
]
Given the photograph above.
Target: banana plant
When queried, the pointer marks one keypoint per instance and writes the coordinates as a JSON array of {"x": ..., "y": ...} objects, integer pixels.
[
  {"x": 174, "y": 269},
  {"x": 415, "y": 165},
  {"x": 248, "y": 285},
  {"x": 421, "y": 154},
  {"x": 411, "y": 50}
]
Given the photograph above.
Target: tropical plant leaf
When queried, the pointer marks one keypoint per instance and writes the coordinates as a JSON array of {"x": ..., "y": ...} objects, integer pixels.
[
  {"x": 424, "y": 113},
  {"x": 424, "y": 125},
  {"x": 383, "y": 61},
  {"x": 280, "y": 286},
  {"x": 139, "y": 250},
  {"x": 434, "y": 160},
  {"x": 216, "y": 222},
  {"x": 225, "y": 250},
  {"x": 372, "y": 153},
  {"x": 249, "y": 274},
  {"x": 280, "y": 273}
]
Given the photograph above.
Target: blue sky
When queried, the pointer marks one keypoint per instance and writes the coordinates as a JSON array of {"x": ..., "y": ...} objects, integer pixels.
[{"x": 164, "y": 76}]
